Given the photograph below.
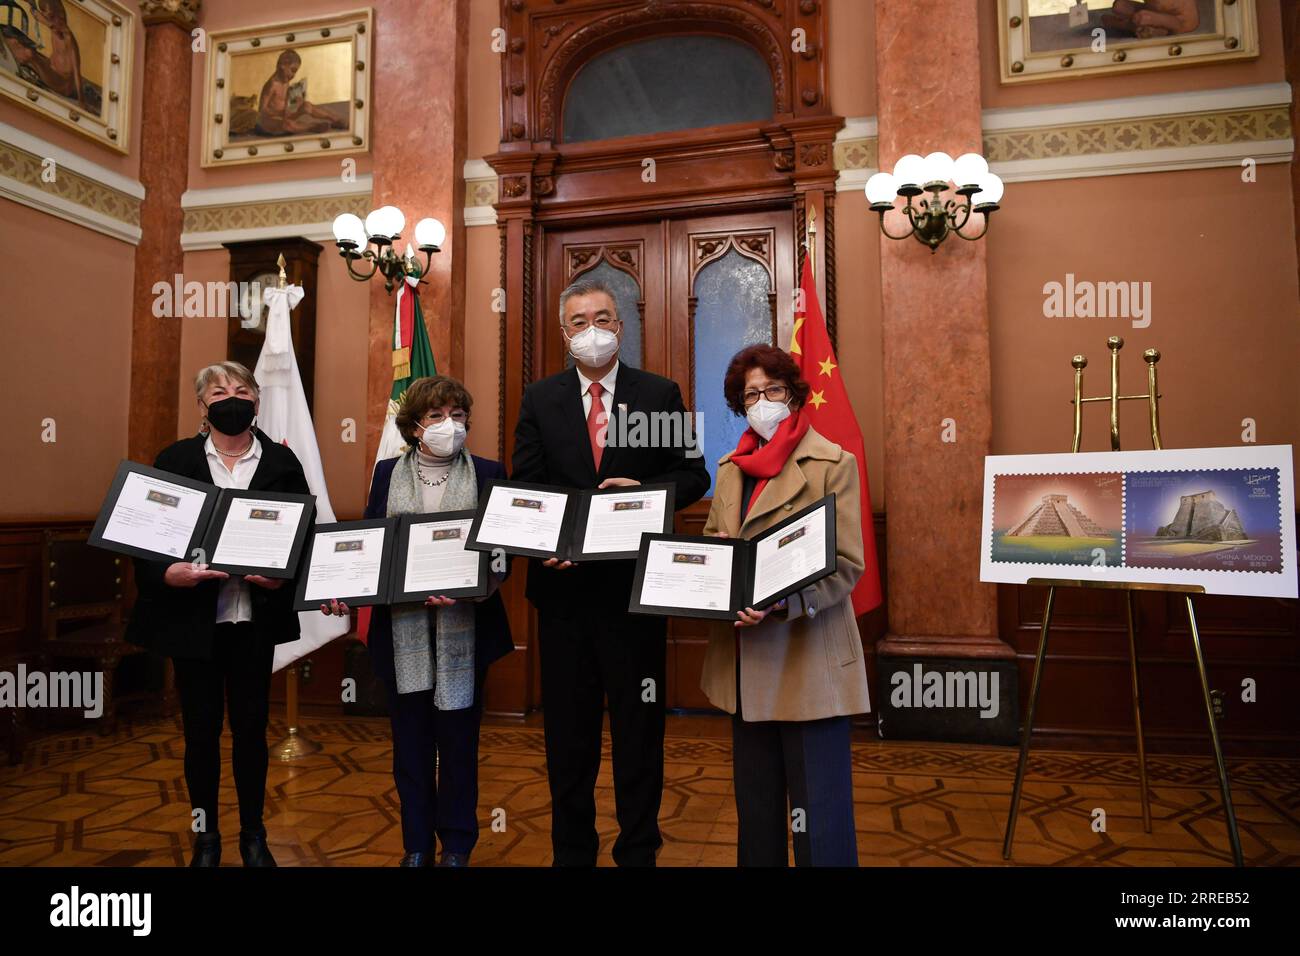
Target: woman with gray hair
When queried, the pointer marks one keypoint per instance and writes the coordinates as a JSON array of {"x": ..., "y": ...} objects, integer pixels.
[{"x": 220, "y": 630}]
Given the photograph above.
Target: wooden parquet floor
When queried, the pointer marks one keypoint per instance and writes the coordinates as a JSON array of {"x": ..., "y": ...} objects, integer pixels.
[{"x": 85, "y": 800}]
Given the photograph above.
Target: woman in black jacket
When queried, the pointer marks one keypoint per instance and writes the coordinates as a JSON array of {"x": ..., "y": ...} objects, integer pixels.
[{"x": 220, "y": 631}]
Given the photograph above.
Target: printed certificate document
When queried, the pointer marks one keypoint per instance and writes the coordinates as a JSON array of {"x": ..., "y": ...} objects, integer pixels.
[
  {"x": 690, "y": 574},
  {"x": 156, "y": 515},
  {"x": 610, "y": 523},
  {"x": 431, "y": 558},
  {"x": 259, "y": 532},
  {"x": 348, "y": 562},
  {"x": 706, "y": 577},
  {"x": 520, "y": 518},
  {"x": 153, "y": 514},
  {"x": 782, "y": 560},
  {"x": 548, "y": 521}
]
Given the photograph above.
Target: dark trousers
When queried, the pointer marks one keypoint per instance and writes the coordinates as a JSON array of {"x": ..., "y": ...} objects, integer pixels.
[
  {"x": 589, "y": 656},
  {"x": 807, "y": 763},
  {"x": 435, "y": 765},
  {"x": 237, "y": 679}
]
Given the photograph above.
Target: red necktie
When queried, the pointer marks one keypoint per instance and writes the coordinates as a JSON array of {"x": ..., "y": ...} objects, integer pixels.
[{"x": 595, "y": 421}]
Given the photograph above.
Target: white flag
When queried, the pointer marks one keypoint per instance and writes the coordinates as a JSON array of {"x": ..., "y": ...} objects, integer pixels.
[{"x": 282, "y": 414}]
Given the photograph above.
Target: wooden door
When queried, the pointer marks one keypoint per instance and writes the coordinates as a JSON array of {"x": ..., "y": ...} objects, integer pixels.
[{"x": 691, "y": 290}]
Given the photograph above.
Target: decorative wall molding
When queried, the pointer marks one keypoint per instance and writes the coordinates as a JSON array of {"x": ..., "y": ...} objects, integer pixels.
[
  {"x": 304, "y": 208},
  {"x": 1139, "y": 134},
  {"x": 82, "y": 191}
]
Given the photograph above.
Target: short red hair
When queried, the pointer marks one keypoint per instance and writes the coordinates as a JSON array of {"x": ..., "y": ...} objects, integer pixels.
[{"x": 777, "y": 363}]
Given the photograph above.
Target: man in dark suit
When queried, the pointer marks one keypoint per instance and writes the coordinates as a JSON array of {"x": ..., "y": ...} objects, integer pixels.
[{"x": 591, "y": 647}]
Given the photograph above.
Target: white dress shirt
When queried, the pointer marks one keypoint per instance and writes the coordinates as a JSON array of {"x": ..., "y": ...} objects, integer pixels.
[
  {"x": 233, "y": 601},
  {"x": 606, "y": 397}
]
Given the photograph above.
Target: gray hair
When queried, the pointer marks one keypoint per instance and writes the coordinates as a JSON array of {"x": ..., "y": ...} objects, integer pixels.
[
  {"x": 229, "y": 371},
  {"x": 586, "y": 287}
]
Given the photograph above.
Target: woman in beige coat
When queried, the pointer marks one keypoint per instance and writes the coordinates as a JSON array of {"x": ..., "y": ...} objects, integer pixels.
[{"x": 790, "y": 675}]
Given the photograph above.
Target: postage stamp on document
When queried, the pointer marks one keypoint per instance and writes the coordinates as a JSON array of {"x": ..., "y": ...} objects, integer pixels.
[
  {"x": 1225, "y": 519},
  {"x": 1072, "y": 519}
]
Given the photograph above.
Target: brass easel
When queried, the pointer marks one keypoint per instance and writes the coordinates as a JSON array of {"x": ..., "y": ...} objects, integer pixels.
[
  {"x": 1152, "y": 398},
  {"x": 294, "y": 744}
]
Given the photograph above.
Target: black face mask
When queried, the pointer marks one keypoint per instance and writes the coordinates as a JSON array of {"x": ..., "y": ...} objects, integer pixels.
[{"x": 231, "y": 416}]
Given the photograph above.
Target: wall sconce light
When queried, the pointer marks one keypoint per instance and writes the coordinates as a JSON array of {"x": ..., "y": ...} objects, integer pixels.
[
  {"x": 382, "y": 229},
  {"x": 935, "y": 218}
]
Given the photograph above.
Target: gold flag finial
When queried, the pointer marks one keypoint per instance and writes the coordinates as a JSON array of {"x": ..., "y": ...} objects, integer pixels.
[{"x": 280, "y": 283}]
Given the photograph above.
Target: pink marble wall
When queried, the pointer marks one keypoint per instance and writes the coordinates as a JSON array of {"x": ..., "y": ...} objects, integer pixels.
[
  {"x": 420, "y": 70},
  {"x": 935, "y": 333},
  {"x": 155, "y": 342}
]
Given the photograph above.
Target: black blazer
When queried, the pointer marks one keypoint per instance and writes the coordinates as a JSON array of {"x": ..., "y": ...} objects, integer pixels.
[
  {"x": 492, "y": 639},
  {"x": 552, "y": 447},
  {"x": 178, "y": 622}
]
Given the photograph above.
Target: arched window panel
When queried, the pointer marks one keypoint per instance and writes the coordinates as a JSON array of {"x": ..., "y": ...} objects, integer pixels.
[
  {"x": 665, "y": 84},
  {"x": 732, "y": 310},
  {"x": 627, "y": 298}
]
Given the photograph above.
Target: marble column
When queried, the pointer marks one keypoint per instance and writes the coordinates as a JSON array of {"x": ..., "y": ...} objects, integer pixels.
[
  {"x": 420, "y": 58},
  {"x": 164, "y": 171},
  {"x": 935, "y": 318}
]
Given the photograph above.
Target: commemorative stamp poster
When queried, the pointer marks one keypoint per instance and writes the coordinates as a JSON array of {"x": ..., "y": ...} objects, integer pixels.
[{"x": 1221, "y": 518}]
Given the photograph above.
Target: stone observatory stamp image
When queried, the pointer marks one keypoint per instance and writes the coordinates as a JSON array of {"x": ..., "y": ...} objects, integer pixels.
[
  {"x": 1058, "y": 519},
  {"x": 1218, "y": 520}
]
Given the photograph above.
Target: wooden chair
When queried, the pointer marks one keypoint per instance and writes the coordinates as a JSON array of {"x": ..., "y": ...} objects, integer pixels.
[{"x": 82, "y": 604}]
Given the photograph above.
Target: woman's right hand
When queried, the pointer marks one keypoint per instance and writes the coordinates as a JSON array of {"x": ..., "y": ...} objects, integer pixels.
[
  {"x": 335, "y": 608},
  {"x": 184, "y": 574}
]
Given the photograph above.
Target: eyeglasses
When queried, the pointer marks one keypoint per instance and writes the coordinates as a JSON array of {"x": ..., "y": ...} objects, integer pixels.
[
  {"x": 437, "y": 417},
  {"x": 773, "y": 393},
  {"x": 607, "y": 322}
]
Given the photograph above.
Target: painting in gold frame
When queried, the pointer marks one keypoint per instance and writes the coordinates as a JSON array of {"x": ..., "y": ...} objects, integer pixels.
[
  {"x": 288, "y": 90},
  {"x": 70, "y": 60},
  {"x": 1052, "y": 39}
]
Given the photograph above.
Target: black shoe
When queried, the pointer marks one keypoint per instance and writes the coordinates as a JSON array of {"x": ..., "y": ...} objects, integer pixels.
[
  {"x": 253, "y": 848},
  {"x": 453, "y": 859},
  {"x": 207, "y": 850},
  {"x": 415, "y": 859}
]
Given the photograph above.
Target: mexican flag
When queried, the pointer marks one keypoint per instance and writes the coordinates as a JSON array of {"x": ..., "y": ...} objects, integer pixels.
[
  {"x": 829, "y": 411},
  {"x": 282, "y": 414},
  {"x": 412, "y": 359}
]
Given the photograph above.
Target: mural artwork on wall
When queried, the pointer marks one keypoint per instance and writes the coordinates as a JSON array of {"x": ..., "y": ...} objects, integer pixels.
[
  {"x": 288, "y": 90},
  {"x": 1050, "y": 39},
  {"x": 71, "y": 61}
]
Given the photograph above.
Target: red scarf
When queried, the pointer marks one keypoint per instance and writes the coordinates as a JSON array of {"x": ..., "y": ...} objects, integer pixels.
[{"x": 766, "y": 462}]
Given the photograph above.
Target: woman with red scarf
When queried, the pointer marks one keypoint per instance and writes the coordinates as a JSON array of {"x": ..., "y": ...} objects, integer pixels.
[{"x": 791, "y": 675}]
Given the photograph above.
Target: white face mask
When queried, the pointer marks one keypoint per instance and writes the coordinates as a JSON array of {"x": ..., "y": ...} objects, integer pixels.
[
  {"x": 593, "y": 347},
  {"x": 444, "y": 439},
  {"x": 765, "y": 417}
]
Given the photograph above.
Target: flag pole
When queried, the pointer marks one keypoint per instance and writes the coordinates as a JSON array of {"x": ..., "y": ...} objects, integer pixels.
[
  {"x": 811, "y": 241},
  {"x": 294, "y": 745}
]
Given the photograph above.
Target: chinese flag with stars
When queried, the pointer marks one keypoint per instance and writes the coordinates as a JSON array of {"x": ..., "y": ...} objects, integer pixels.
[{"x": 829, "y": 412}]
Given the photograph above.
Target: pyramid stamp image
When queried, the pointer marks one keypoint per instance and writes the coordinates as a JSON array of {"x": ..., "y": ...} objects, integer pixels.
[
  {"x": 1058, "y": 519},
  {"x": 1224, "y": 520}
]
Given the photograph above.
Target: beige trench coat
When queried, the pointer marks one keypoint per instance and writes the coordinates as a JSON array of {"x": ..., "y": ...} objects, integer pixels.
[{"x": 804, "y": 663}]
